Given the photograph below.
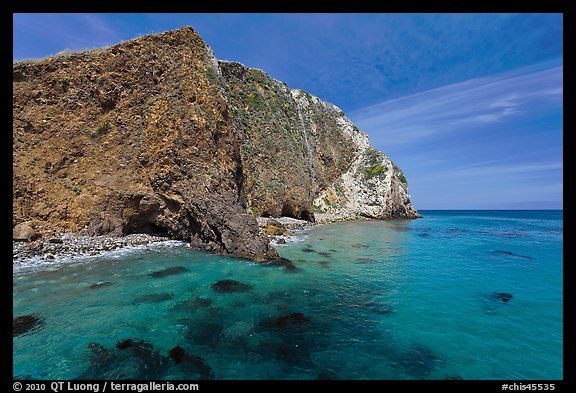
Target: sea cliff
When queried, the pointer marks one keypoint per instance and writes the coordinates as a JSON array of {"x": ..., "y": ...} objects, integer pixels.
[{"x": 156, "y": 136}]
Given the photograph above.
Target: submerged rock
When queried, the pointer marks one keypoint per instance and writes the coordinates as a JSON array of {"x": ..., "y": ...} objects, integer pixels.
[
  {"x": 201, "y": 302},
  {"x": 288, "y": 352},
  {"x": 125, "y": 344},
  {"x": 153, "y": 298},
  {"x": 324, "y": 264},
  {"x": 192, "y": 362},
  {"x": 503, "y": 297},
  {"x": 129, "y": 359},
  {"x": 510, "y": 253},
  {"x": 230, "y": 286},
  {"x": 169, "y": 272},
  {"x": 364, "y": 260},
  {"x": 295, "y": 317},
  {"x": 419, "y": 361},
  {"x": 193, "y": 304},
  {"x": 378, "y": 308},
  {"x": 205, "y": 333},
  {"x": 292, "y": 319},
  {"x": 101, "y": 284},
  {"x": 26, "y": 324},
  {"x": 401, "y": 228},
  {"x": 288, "y": 264},
  {"x": 177, "y": 354}
]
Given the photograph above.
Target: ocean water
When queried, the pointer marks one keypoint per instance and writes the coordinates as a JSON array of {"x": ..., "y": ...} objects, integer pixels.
[{"x": 456, "y": 294}]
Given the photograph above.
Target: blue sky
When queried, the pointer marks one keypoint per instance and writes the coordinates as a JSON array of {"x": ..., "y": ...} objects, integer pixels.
[{"x": 468, "y": 105}]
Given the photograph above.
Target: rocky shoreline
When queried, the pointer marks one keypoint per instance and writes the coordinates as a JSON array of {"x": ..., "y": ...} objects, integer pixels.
[
  {"x": 71, "y": 245},
  {"x": 278, "y": 230}
]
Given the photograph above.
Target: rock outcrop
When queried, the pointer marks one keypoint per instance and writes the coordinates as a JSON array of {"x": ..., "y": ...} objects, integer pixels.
[{"x": 155, "y": 136}]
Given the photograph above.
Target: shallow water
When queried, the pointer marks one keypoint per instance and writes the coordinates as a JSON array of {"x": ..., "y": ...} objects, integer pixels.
[{"x": 371, "y": 300}]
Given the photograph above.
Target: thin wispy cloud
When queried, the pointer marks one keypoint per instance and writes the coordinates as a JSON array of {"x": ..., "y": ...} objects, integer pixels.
[
  {"x": 460, "y": 106},
  {"x": 481, "y": 170},
  {"x": 100, "y": 27}
]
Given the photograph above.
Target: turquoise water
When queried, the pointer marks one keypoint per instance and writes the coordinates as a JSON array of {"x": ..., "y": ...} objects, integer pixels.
[{"x": 378, "y": 300}]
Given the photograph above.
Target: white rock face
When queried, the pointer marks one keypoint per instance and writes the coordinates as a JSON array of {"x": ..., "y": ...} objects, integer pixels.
[{"x": 373, "y": 187}]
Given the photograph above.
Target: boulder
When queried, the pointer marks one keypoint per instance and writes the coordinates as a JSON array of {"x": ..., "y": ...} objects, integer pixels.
[
  {"x": 274, "y": 230},
  {"x": 24, "y": 232}
]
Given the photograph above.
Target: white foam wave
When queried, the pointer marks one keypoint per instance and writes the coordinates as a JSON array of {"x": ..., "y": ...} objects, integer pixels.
[
  {"x": 289, "y": 239},
  {"x": 37, "y": 263}
]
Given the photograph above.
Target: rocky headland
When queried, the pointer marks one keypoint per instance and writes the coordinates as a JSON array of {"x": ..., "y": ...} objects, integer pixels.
[{"x": 156, "y": 137}]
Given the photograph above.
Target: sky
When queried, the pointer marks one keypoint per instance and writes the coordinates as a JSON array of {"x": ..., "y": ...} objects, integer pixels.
[{"x": 470, "y": 106}]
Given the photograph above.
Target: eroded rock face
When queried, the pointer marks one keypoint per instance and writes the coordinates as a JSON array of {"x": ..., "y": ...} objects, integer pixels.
[
  {"x": 372, "y": 187},
  {"x": 136, "y": 138},
  {"x": 155, "y": 136},
  {"x": 302, "y": 155}
]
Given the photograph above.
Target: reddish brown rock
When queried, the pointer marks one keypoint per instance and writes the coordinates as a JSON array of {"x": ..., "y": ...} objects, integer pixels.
[
  {"x": 24, "y": 233},
  {"x": 136, "y": 138}
]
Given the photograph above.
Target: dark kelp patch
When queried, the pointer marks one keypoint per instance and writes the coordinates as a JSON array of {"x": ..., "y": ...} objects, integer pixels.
[
  {"x": 170, "y": 271},
  {"x": 286, "y": 263},
  {"x": 26, "y": 324},
  {"x": 230, "y": 286},
  {"x": 418, "y": 361},
  {"x": 502, "y": 296},
  {"x": 100, "y": 284},
  {"x": 129, "y": 359},
  {"x": 511, "y": 254},
  {"x": 192, "y": 363},
  {"x": 153, "y": 298}
]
